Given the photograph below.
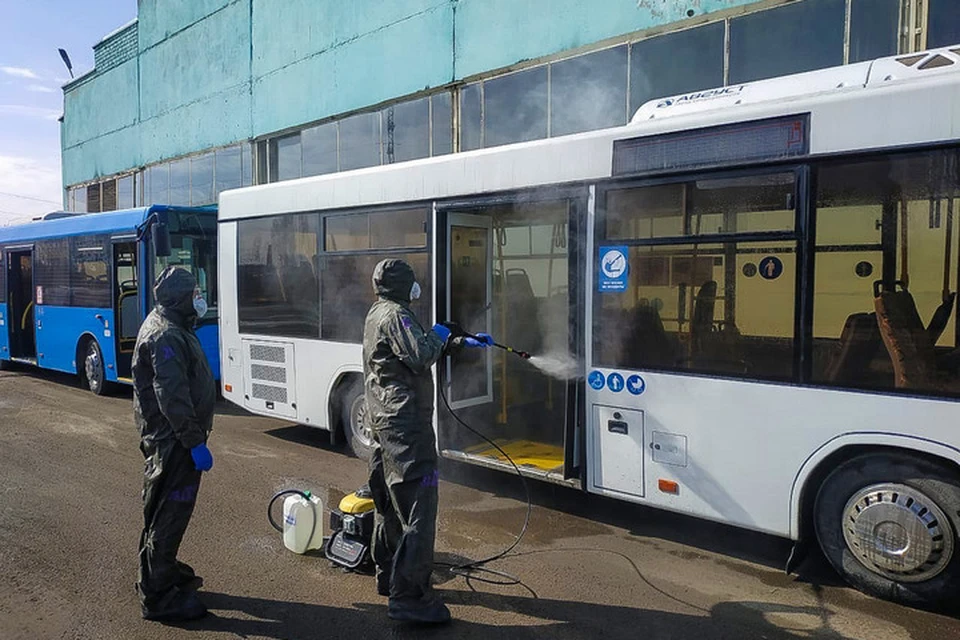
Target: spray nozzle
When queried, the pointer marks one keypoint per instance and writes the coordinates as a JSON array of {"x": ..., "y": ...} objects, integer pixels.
[{"x": 522, "y": 354}]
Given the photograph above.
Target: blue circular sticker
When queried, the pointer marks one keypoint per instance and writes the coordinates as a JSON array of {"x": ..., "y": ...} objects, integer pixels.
[
  {"x": 636, "y": 385},
  {"x": 596, "y": 380},
  {"x": 615, "y": 382},
  {"x": 770, "y": 268}
]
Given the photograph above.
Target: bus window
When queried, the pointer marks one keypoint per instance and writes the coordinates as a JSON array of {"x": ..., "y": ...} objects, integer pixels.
[
  {"x": 276, "y": 273},
  {"x": 887, "y": 273},
  {"x": 193, "y": 240},
  {"x": 726, "y": 306}
]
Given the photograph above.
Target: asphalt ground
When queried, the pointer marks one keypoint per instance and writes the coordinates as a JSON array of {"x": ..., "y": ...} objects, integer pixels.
[{"x": 70, "y": 518}]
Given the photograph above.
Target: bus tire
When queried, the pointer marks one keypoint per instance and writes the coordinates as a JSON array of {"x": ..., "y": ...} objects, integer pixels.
[
  {"x": 93, "y": 372},
  {"x": 353, "y": 411},
  {"x": 888, "y": 523}
]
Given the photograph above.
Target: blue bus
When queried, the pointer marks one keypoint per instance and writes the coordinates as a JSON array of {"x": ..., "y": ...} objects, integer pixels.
[{"x": 74, "y": 288}]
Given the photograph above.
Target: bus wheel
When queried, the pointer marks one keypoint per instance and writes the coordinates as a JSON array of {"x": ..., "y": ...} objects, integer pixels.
[
  {"x": 888, "y": 523},
  {"x": 353, "y": 414},
  {"x": 94, "y": 375}
]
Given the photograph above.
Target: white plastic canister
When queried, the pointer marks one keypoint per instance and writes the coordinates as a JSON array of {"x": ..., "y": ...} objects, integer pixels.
[{"x": 300, "y": 516}]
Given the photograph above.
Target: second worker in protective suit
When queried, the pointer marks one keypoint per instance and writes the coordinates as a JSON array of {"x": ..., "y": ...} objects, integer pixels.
[
  {"x": 174, "y": 396},
  {"x": 398, "y": 386}
]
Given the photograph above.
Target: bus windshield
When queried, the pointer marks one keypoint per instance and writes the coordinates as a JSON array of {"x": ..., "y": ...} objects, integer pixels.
[{"x": 193, "y": 242}]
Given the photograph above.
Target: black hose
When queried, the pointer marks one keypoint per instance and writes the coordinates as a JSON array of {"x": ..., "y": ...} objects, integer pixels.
[
  {"x": 306, "y": 496},
  {"x": 469, "y": 569}
]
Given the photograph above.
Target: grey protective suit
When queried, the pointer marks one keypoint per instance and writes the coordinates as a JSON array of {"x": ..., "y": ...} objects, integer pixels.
[
  {"x": 397, "y": 356},
  {"x": 173, "y": 401}
]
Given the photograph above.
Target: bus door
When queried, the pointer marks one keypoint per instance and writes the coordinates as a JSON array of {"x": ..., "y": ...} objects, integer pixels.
[
  {"x": 20, "y": 320},
  {"x": 126, "y": 304},
  {"x": 507, "y": 271}
]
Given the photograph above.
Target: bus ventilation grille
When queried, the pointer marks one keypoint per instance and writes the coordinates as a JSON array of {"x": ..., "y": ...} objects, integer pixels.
[{"x": 270, "y": 378}]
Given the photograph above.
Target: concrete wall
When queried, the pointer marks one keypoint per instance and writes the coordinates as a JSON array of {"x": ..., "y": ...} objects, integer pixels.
[{"x": 213, "y": 72}]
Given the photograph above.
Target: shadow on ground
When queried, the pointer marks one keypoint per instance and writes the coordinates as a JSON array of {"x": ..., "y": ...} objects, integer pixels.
[{"x": 521, "y": 617}]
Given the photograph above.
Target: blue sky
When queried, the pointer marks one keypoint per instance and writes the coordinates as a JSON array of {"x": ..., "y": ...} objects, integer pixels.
[{"x": 31, "y": 99}]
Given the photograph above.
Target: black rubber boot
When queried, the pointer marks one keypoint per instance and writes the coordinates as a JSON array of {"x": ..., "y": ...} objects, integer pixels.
[
  {"x": 383, "y": 584},
  {"x": 432, "y": 611},
  {"x": 186, "y": 606}
]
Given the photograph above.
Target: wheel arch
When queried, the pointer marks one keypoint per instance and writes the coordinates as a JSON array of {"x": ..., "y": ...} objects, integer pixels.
[
  {"x": 834, "y": 452},
  {"x": 340, "y": 381}
]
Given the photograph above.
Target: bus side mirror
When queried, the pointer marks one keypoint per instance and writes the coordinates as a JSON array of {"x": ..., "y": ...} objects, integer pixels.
[{"x": 161, "y": 240}]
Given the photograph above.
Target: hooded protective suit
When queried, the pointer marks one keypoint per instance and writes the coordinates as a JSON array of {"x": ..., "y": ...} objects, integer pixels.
[
  {"x": 174, "y": 397},
  {"x": 397, "y": 357}
]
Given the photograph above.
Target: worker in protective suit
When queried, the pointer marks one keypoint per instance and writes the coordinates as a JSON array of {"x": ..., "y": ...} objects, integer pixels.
[
  {"x": 397, "y": 356},
  {"x": 173, "y": 402}
]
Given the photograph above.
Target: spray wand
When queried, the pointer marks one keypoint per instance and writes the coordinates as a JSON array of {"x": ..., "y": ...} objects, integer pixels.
[{"x": 522, "y": 354}]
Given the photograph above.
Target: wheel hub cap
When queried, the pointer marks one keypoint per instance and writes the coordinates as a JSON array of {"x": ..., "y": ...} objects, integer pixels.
[
  {"x": 898, "y": 532},
  {"x": 360, "y": 427}
]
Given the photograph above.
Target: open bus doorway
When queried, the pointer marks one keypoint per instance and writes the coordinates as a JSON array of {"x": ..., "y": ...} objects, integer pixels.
[
  {"x": 23, "y": 343},
  {"x": 508, "y": 273}
]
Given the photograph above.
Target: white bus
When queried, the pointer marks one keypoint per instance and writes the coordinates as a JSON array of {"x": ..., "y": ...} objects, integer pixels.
[{"x": 759, "y": 283}]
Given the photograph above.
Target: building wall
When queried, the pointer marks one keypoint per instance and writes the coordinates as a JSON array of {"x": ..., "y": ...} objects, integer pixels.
[{"x": 207, "y": 74}]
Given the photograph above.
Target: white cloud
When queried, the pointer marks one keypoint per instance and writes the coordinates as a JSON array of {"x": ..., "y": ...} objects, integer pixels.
[
  {"x": 31, "y": 178},
  {"x": 39, "y": 88},
  {"x": 20, "y": 72},
  {"x": 29, "y": 112}
]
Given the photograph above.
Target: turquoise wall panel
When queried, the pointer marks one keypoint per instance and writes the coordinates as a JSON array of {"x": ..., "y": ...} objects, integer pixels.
[
  {"x": 105, "y": 104},
  {"x": 215, "y": 121},
  {"x": 395, "y": 60},
  {"x": 498, "y": 33},
  {"x": 207, "y": 58},
  {"x": 103, "y": 155},
  {"x": 159, "y": 19},
  {"x": 289, "y": 31}
]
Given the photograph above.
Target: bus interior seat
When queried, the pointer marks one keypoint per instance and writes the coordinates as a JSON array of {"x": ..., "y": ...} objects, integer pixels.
[
  {"x": 940, "y": 318},
  {"x": 906, "y": 338},
  {"x": 649, "y": 344},
  {"x": 859, "y": 343},
  {"x": 521, "y": 305},
  {"x": 714, "y": 343}
]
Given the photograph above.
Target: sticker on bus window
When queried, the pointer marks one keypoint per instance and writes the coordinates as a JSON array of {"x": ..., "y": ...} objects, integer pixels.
[
  {"x": 615, "y": 382},
  {"x": 614, "y": 269},
  {"x": 771, "y": 268},
  {"x": 40, "y": 295},
  {"x": 636, "y": 385}
]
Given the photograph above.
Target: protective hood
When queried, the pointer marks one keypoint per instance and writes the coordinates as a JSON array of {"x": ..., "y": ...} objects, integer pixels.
[
  {"x": 174, "y": 292},
  {"x": 393, "y": 279}
]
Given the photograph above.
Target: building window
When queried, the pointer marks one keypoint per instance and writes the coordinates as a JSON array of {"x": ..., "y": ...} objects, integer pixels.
[
  {"x": 515, "y": 107},
  {"x": 471, "y": 117},
  {"x": 588, "y": 92},
  {"x": 791, "y": 39},
  {"x": 885, "y": 273},
  {"x": 725, "y": 306},
  {"x": 228, "y": 170},
  {"x": 873, "y": 29},
  {"x": 285, "y": 158},
  {"x": 201, "y": 180},
  {"x": 125, "y": 192},
  {"x": 108, "y": 195},
  {"x": 179, "y": 182},
  {"x": 277, "y": 275},
  {"x": 360, "y": 141},
  {"x": 406, "y": 131},
  {"x": 93, "y": 198},
  {"x": 943, "y": 23},
  {"x": 158, "y": 184},
  {"x": 319, "y": 149},
  {"x": 441, "y": 106},
  {"x": 676, "y": 63}
]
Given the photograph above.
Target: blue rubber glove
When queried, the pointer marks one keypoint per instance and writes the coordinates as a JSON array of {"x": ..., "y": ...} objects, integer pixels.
[
  {"x": 482, "y": 341},
  {"x": 202, "y": 458},
  {"x": 441, "y": 331}
]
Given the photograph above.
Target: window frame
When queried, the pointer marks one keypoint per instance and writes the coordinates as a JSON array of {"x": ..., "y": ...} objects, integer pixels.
[{"x": 802, "y": 287}]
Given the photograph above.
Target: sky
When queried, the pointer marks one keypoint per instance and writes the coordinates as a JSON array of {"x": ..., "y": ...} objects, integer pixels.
[{"x": 31, "y": 98}]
